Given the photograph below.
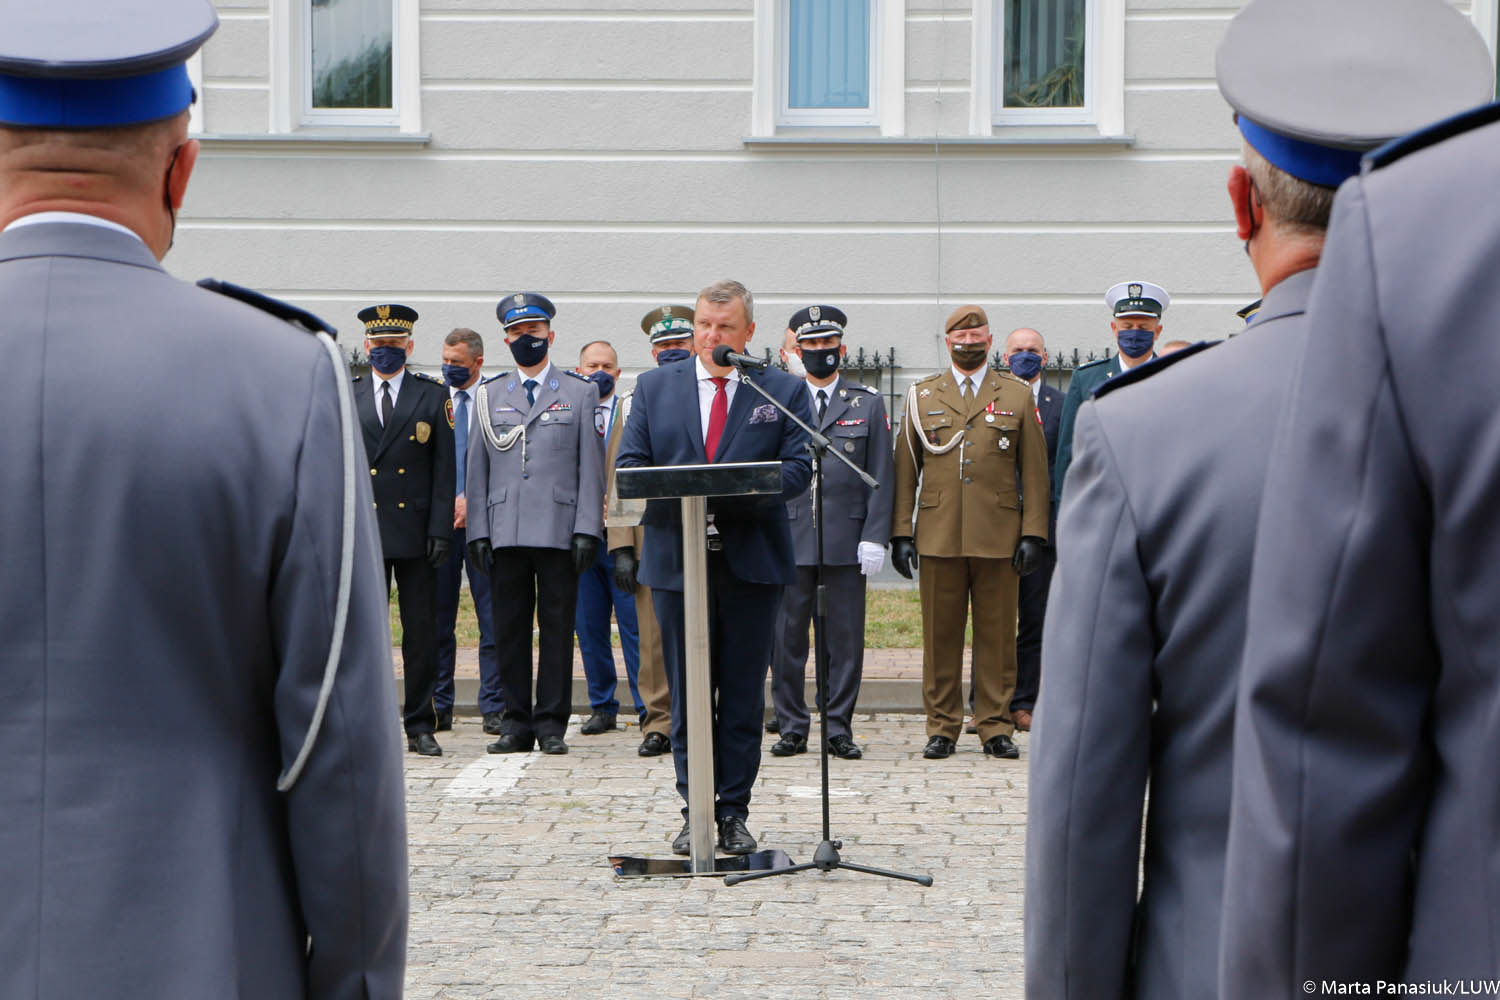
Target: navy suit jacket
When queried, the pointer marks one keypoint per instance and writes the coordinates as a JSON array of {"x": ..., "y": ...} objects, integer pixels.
[
  {"x": 1049, "y": 406},
  {"x": 664, "y": 428}
]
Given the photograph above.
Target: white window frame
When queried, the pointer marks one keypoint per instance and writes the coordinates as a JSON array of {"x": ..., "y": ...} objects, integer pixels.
[
  {"x": 1486, "y": 16},
  {"x": 291, "y": 75},
  {"x": 1104, "y": 80},
  {"x": 887, "y": 112}
]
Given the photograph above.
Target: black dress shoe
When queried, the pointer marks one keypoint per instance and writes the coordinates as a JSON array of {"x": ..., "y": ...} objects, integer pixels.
[
  {"x": 938, "y": 747},
  {"x": 599, "y": 722},
  {"x": 734, "y": 836},
  {"x": 554, "y": 745},
  {"x": 683, "y": 842},
  {"x": 654, "y": 745},
  {"x": 424, "y": 744},
  {"x": 843, "y": 746},
  {"x": 492, "y": 723},
  {"x": 1001, "y": 746},
  {"x": 789, "y": 744},
  {"x": 511, "y": 743},
  {"x": 445, "y": 722},
  {"x": 773, "y": 725}
]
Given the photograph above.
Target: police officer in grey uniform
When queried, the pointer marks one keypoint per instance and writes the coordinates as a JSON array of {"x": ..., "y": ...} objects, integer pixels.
[
  {"x": 535, "y": 496},
  {"x": 175, "y": 635},
  {"x": 1148, "y": 603},
  {"x": 856, "y": 528},
  {"x": 1366, "y": 804}
]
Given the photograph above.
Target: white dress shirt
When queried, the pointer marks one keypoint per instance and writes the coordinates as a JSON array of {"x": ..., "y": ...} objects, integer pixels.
[
  {"x": 395, "y": 383},
  {"x": 706, "y": 391},
  {"x": 829, "y": 389},
  {"x": 975, "y": 380}
]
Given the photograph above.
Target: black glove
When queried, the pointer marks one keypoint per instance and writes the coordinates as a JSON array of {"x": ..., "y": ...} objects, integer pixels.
[
  {"x": 1028, "y": 557},
  {"x": 437, "y": 551},
  {"x": 585, "y": 548},
  {"x": 625, "y": 569},
  {"x": 903, "y": 556},
  {"x": 481, "y": 553}
]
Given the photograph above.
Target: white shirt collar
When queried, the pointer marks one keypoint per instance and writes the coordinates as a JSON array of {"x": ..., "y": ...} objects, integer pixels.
[
  {"x": 77, "y": 218},
  {"x": 830, "y": 388},
  {"x": 540, "y": 377},
  {"x": 395, "y": 381},
  {"x": 976, "y": 377},
  {"x": 703, "y": 373}
]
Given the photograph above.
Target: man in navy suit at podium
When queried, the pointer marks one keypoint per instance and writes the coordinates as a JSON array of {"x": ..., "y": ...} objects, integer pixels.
[{"x": 691, "y": 413}]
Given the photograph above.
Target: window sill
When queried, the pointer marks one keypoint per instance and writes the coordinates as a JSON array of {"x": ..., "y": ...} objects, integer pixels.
[
  {"x": 320, "y": 139},
  {"x": 944, "y": 141}
]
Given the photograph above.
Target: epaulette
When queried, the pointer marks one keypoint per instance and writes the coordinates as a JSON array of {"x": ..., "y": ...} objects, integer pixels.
[
  {"x": 929, "y": 378},
  {"x": 428, "y": 378},
  {"x": 581, "y": 378},
  {"x": 1248, "y": 312},
  {"x": 276, "y": 307},
  {"x": 486, "y": 381},
  {"x": 1156, "y": 365},
  {"x": 858, "y": 387},
  {"x": 1429, "y": 136},
  {"x": 1013, "y": 375},
  {"x": 1095, "y": 364}
]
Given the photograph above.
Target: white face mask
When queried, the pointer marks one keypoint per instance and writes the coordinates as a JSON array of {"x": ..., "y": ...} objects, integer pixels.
[{"x": 794, "y": 365}]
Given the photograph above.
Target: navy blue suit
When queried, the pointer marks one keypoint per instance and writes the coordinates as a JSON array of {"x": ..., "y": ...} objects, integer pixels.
[
  {"x": 745, "y": 579},
  {"x": 1032, "y": 602}
]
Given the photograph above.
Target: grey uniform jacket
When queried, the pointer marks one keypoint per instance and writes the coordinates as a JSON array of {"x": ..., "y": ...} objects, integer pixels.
[
  {"x": 1365, "y": 834},
  {"x": 852, "y": 512},
  {"x": 171, "y": 531},
  {"x": 1145, "y": 625},
  {"x": 549, "y": 484}
]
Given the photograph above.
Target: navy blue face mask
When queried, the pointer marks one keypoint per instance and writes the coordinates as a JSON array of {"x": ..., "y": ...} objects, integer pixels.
[
  {"x": 456, "y": 375},
  {"x": 605, "y": 381},
  {"x": 1135, "y": 343},
  {"x": 528, "y": 351},
  {"x": 387, "y": 360},
  {"x": 1025, "y": 365},
  {"x": 672, "y": 354}
]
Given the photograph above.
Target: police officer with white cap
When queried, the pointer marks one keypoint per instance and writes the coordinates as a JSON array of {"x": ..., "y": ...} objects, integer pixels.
[
  {"x": 535, "y": 495},
  {"x": 856, "y": 528},
  {"x": 1147, "y": 613},
  {"x": 231, "y": 626},
  {"x": 1366, "y": 805},
  {"x": 1136, "y": 308}
]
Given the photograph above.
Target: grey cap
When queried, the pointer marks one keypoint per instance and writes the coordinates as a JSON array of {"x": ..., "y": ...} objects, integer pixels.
[
  {"x": 1347, "y": 75},
  {"x": 85, "y": 63}
]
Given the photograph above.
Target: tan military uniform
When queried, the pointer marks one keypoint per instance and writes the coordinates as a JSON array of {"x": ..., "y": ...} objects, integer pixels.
[
  {"x": 622, "y": 527},
  {"x": 974, "y": 472}
]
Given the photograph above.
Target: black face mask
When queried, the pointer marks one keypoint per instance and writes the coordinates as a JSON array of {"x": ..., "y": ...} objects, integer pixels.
[
  {"x": 822, "y": 362},
  {"x": 528, "y": 351}
]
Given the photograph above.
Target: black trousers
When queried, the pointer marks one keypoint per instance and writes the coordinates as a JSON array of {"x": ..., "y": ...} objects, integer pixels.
[
  {"x": 1032, "y": 611},
  {"x": 741, "y": 629},
  {"x": 845, "y": 587},
  {"x": 526, "y": 581},
  {"x": 416, "y": 597}
]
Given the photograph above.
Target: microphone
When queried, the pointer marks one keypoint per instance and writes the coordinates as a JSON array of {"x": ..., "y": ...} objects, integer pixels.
[{"x": 724, "y": 355}]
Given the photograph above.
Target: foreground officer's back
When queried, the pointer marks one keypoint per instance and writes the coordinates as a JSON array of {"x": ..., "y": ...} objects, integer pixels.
[
  {"x": 171, "y": 531},
  {"x": 1366, "y": 802}
]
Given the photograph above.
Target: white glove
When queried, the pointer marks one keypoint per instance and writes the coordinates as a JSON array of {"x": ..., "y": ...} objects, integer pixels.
[{"x": 871, "y": 558}]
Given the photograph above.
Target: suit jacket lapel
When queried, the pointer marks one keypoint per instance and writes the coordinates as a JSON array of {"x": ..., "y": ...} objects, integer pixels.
[
  {"x": 745, "y": 400},
  {"x": 406, "y": 404},
  {"x": 947, "y": 394},
  {"x": 837, "y": 406},
  {"x": 545, "y": 396}
]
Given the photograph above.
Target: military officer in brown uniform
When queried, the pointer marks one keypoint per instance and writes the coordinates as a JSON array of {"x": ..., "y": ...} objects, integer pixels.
[{"x": 971, "y": 464}]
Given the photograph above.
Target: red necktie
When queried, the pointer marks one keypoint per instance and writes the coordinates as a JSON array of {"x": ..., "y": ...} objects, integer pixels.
[{"x": 717, "y": 413}]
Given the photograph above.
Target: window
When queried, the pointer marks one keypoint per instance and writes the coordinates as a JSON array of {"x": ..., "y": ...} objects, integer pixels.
[
  {"x": 1049, "y": 63},
  {"x": 827, "y": 62},
  {"x": 337, "y": 64}
]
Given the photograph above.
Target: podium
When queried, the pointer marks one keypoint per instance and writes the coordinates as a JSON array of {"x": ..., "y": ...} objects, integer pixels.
[{"x": 693, "y": 485}]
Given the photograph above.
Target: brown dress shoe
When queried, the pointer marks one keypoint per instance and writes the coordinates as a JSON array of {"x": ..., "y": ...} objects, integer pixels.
[{"x": 1022, "y": 718}]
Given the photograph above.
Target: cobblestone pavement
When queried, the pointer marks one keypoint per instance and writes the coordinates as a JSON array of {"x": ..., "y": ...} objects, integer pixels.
[{"x": 512, "y": 895}]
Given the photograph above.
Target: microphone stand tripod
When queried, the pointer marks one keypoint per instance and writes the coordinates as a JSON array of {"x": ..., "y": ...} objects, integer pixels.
[{"x": 826, "y": 858}]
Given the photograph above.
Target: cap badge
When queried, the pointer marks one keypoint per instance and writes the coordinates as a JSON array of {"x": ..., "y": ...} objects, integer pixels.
[
  {"x": 384, "y": 312},
  {"x": 815, "y": 313},
  {"x": 1135, "y": 291},
  {"x": 666, "y": 312}
]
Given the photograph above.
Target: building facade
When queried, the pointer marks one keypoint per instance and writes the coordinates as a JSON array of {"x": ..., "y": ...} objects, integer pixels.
[{"x": 891, "y": 157}]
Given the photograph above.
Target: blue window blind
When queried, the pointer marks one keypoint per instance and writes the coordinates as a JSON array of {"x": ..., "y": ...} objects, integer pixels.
[
  {"x": 828, "y": 54},
  {"x": 1044, "y": 53}
]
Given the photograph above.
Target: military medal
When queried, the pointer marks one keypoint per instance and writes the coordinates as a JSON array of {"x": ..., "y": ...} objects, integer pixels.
[{"x": 1004, "y": 443}]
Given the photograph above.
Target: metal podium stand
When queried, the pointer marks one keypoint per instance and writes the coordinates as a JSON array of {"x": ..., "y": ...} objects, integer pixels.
[{"x": 693, "y": 485}]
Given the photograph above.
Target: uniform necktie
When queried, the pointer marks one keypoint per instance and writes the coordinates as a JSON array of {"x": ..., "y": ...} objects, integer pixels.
[
  {"x": 461, "y": 435},
  {"x": 822, "y": 403},
  {"x": 530, "y": 385},
  {"x": 386, "y": 403},
  {"x": 717, "y": 414},
  {"x": 966, "y": 389}
]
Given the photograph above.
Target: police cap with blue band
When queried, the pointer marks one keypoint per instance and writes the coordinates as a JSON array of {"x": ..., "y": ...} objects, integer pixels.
[
  {"x": 817, "y": 321},
  {"x": 524, "y": 307},
  {"x": 1316, "y": 83},
  {"x": 98, "y": 63}
]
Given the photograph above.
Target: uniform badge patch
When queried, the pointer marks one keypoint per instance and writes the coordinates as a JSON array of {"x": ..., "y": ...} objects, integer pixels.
[
  {"x": 448, "y": 412},
  {"x": 552, "y": 384},
  {"x": 925, "y": 393},
  {"x": 424, "y": 431}
]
